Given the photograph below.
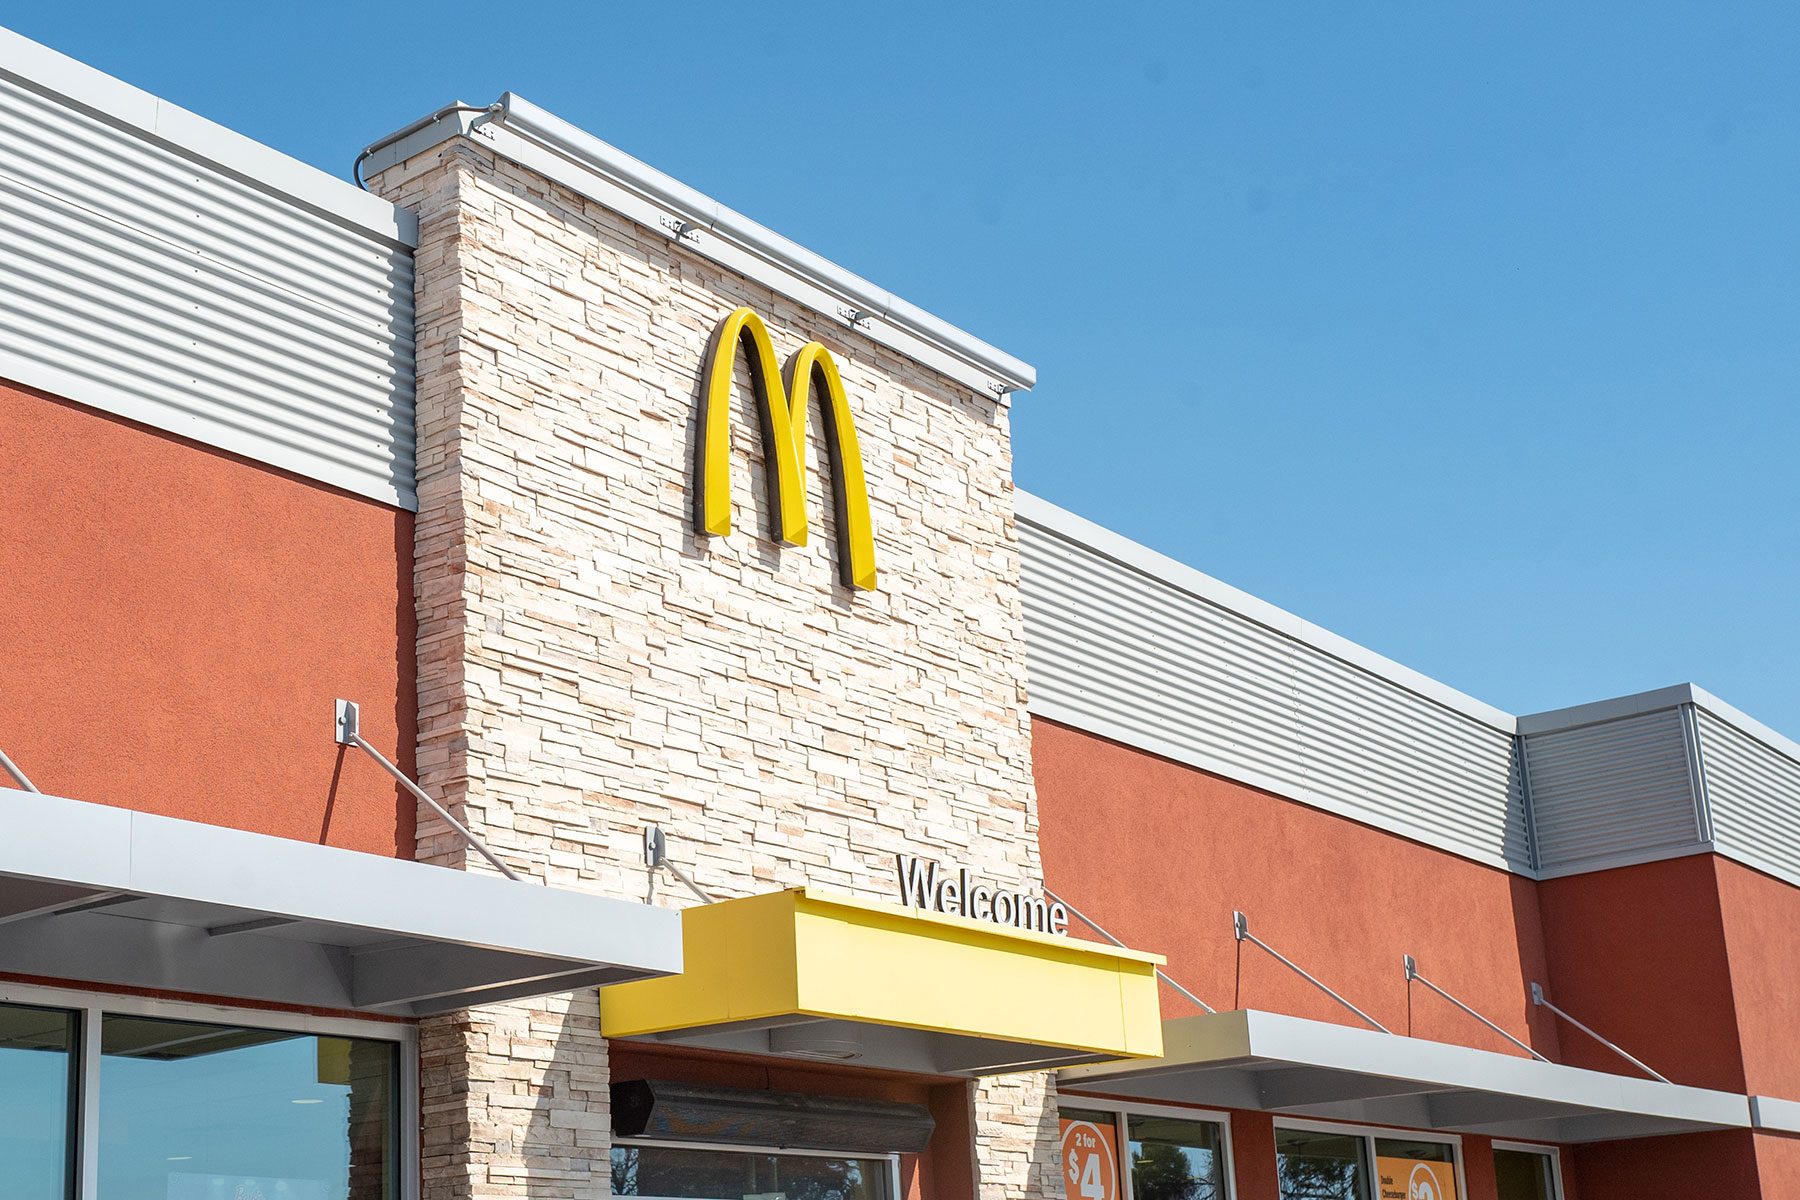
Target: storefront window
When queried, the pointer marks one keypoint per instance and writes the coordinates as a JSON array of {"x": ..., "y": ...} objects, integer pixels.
[
  {"x": 37, "y": 1095},
  {"x": 1524, "y": 1175},
  {"x": 1320, "y": 1166},
  {"x": 1174, "y": 1159},
  {"x": 1410, "y": 1169},
  {"x": 192, "y": 1111},
  {"x": 688, "y": 1173}
]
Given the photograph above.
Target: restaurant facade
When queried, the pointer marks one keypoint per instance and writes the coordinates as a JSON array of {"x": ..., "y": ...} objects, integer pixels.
[{"x": 521, "y": 681}]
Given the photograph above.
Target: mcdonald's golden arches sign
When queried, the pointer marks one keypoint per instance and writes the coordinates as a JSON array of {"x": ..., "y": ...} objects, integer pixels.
[{"x": 781, "y": 404}]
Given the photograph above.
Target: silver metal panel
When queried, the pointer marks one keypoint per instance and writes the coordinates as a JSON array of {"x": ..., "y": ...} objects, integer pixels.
[
  {"x": 146, "y": 280},
  {"x": 1753, "y": 790},
  {"x": 1617, "y": 791},
  {"x": 1273, "y": 1062},
  {"x": 101, "y": 894},
  {"x": 1141, "y": 659}
]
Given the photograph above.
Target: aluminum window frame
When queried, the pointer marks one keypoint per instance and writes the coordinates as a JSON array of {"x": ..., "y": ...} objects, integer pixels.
[
  {"x": 1122, "y": 1109},
  {"x": 91, "y": 1006},
  {"x": 1369, "y": 1133},
  {"x": 890, "y": 1157},
  {"x": 1549, "y": 1150}
]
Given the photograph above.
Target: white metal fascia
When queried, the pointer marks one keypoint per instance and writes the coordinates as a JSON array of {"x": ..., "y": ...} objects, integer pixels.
[
  {"x": 1167, "y": 570},
  {"x": 45, "y": 71},
  {"x": 1277, "y": 1040},
  {"x": 520, "y": 131},
  {"x": 1773, "y": 1113},
  {"x": 120, "y": 850}
]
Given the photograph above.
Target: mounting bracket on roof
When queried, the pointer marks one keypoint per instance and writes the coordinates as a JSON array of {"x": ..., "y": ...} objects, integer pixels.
[
  {"x": 656, "y": 857},
  {"x": 1411, "y": 966},
  {"x": 346, "y": 730},
  {"x": 1240, "y": 928},
  {"x": 1538, "y": 999},
  {"x": 18, "y": 776}
]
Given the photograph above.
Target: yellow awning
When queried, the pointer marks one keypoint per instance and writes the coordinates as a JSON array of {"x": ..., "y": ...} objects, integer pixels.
[{"x": 812, "y": 975}]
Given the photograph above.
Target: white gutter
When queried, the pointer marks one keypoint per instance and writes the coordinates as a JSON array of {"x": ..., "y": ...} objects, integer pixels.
[{"x": 520, "y": 131}]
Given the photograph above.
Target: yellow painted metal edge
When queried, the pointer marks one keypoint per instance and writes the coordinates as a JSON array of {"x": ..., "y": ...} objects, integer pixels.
[
  {"x": 810, "y": 953},
  {"x": 816, "y": 896}
]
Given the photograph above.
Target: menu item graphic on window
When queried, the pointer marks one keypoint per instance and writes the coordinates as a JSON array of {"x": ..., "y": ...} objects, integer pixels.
[
  {"x": 1090, "y": 1160},
  {"x": 1415, "y": 1179}
]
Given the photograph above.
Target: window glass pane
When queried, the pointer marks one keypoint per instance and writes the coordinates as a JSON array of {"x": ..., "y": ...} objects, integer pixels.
[
  {"x": 37, "y": 1095},
  {"x": 214, "y": 1112},
  {"x": 1409, "y": 1169},
  {"x": 1524, "y": 1175},
  {"x": 681, "y": 1173},
  {"x": 1320, "y": 1166},
  {"x": 1173, "y": 1159}
]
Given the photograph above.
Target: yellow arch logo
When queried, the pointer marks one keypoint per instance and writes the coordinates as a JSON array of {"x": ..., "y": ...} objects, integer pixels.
[{"x": 781, "y": 405}]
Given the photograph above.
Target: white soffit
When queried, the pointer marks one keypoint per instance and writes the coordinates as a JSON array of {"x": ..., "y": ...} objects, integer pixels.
[
  {"x": 108, "y": 895},
  {"x": 520, "y": 131},
  {"x": 1282, "y": 1064}
]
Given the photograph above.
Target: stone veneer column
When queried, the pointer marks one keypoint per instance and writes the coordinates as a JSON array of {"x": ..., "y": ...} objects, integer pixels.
[{"x": 588, "y": 665}]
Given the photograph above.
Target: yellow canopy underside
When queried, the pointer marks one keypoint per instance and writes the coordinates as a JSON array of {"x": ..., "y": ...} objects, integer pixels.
[{"x": 788, "y": 957}]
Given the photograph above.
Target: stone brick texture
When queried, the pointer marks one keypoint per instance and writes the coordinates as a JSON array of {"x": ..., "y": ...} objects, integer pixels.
[{"x": 590, "y": 665}]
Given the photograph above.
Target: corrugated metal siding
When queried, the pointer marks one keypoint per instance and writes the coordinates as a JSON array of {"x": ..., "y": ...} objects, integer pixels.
[
  {"x": 1119, "y": 652},
  {"x": 145, "y": 281},
  {"x": 1754, "y": 795},
  {"x": 1616, "y": 791}
]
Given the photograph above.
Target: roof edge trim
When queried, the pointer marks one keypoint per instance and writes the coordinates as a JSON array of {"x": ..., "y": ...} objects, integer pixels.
[
  {"x": 41, "y": 69},
  {"x": 537, "y": 139}
]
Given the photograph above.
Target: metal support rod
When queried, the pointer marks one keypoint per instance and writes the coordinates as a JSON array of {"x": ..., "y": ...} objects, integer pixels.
[
  {"x": 18, "y": 775},
  {"x": 1537, "y": 998},
  {"x": 1240, "y": 926},
  {"x": 1411, "y": 966},
  {"x": 1097, "y": 928},
  {"x": 349, "y": 734},
  {"x": 656, "y": 854}
]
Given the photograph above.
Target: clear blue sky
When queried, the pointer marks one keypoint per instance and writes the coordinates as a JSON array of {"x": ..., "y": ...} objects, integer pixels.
[{"x": 1471, "y": 332}]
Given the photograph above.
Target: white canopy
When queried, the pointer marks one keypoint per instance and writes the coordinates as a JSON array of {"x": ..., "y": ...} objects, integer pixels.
[{"x": 108, "y": 895}]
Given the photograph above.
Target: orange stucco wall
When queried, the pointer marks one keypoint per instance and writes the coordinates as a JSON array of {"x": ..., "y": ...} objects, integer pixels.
[
  {"x": 1131, "y": 839},
  {"x": 1713, "y": 1165},
  {"x": 178, "y": 622},
  {"x": 1639, "y": 954},
  {"x": 1761, "y": 919}
]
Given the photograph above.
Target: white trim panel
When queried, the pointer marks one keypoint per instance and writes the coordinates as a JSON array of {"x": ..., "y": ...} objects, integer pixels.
[
  {"x": 1772, "y": 1113},
  {"x": 520, "y": 131},
  {"x": 108, "y": 895},
  {"x": 1125, "y": 643},
  {"x": 1617, "y": 791},
  {"x": 1753, "y": 795},
  {"x": 162, "y": 269},
  {"x": 1316, "y": 1069}
]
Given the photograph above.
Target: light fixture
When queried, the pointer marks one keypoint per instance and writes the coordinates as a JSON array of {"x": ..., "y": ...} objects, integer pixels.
[
  {"x": 814, "y": 1040},
  {"x": 305, "y": 1100},
  {"x": 180, "y": 1158}
]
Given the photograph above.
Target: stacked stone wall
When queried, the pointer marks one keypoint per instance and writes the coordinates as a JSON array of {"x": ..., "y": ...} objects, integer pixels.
[{"x": 589, "y": 665}]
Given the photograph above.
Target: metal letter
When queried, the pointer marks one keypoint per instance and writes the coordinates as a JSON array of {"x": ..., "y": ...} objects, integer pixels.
[
  {"x": 787, "y": 489},
  {"x": 856, "y": 535}
]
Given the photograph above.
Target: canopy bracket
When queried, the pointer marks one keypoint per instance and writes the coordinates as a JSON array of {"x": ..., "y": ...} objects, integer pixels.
[
  {"x": 1099, "y": 929},
  {"x": 1240, "y": 928},
  {"x": 656, "y": 857},
  {"x": 347, "y": 729},
  {"x": 1538, "y": 998},
  {"x": 1411, "y": 966}
]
